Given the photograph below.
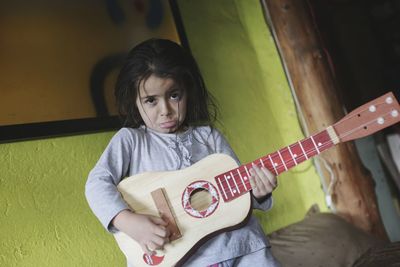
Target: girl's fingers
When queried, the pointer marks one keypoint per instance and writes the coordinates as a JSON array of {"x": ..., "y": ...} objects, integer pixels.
[
  {"x": 152, "y": 247},
  {"x": 158, "y": 220},
  {"x": 158, "y": 242},
  {"x": 271, "y": 178},
  {"x": 146, "y": 249},
  {"x": 259, "y": 186},
  {"x": 262, "y": 181},
  {"x": 252, "y": 182},
  {"x": 161, "y": 231}
]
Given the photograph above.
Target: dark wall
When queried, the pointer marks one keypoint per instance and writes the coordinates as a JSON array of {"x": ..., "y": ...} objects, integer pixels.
[{"x": 363, "y": 40}]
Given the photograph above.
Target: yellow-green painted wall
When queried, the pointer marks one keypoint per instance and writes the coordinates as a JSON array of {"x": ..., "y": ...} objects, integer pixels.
[
  {"x": 44, "y": 218},
  {"x": 241, "y": 66}
]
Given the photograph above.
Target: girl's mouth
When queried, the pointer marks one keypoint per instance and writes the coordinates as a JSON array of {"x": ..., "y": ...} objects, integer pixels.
[{"x": 168, "y": 124}]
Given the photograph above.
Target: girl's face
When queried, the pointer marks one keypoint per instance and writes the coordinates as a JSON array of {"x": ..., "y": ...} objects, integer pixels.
[{"x": 161, "y": 104}]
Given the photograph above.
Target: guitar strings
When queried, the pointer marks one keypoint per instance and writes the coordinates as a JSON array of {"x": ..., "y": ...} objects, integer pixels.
[
  {"x": 271, "y": 168},
  {"x": 268, "y": 164},
  {"x": 290, "y": 161}
]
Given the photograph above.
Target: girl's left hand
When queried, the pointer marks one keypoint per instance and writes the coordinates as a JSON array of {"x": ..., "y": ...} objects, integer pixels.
[{"x": 262, "y": 181}]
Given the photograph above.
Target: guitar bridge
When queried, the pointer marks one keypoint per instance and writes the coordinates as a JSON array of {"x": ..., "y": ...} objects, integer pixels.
[{"x": 166, "y": 214}]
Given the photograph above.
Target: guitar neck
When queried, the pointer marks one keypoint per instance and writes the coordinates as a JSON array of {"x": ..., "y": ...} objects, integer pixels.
[
  {"x": 364, "y": 120},
  {"x": 235, "y": 183}
]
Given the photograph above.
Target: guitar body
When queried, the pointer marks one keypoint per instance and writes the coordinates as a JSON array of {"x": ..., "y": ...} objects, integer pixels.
[{"x": 136, "y": 191}]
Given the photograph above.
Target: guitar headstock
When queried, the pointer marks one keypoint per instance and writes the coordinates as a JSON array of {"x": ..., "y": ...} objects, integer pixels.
[{"x": 369, "y": 118}]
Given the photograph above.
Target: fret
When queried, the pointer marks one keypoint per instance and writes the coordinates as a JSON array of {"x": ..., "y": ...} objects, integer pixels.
[
  {"x": 309, "y": 147},
  {"x": 229, "y": 186},
  {"x": 241, "y": 178},
  {"x": 297, "y": 152},
  {"x": 268, "y": 164},
  {"x": 246, "y": 183},
  {"x": 273, "y": 164},
  {"x": 221, "y": 187},
  {"x": 315, "y": 145},
  {"x": 262, "y": 163},
  {"x": 283, "y": 162},
  {"x": 247, "y": 177},
  {"x": 302, "y": 149},
  {"x": 234, "y": 180},
  {"x": 278, "y": 162},
  {"x": 287, "y": 157},
  {"x": 324, "y": 139},
  {"x": 292, "y": 155},
  {"x": 247, "y": 171}
]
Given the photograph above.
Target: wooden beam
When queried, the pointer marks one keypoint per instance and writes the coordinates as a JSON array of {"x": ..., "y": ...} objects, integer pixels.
[{"x": 312, "y": 80}]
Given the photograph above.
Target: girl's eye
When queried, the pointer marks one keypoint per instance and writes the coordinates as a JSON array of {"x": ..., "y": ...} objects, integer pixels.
[
  {"x": 176, "y": 96},
  {"x": 150, "y": 100}
]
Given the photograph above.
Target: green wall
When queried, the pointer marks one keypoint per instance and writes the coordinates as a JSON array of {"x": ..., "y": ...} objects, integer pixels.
[
  {"x": 242, "y": 68},
  {"x": 44, "y": 217}
]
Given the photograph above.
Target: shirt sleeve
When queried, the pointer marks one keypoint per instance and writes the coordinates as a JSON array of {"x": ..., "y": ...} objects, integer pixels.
[
  {"x": 265, "y": 205},
  {"x": 101, "y": 187},
  {"x": 222, "y": 146}
]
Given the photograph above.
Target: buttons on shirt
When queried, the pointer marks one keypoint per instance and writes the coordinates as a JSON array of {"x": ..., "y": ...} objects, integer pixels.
[{"x": 182, "y": 147}]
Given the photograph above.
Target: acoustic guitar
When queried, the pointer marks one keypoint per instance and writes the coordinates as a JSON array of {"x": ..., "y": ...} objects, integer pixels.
[{"x": 213, "y": 194}]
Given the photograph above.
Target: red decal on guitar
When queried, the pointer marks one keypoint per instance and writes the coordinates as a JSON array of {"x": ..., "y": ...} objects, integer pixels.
[{"x": 152, "y": 260}]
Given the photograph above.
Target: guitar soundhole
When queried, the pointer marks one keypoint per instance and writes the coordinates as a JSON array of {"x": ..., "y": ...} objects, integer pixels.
[{"x": 200, "y": 199}]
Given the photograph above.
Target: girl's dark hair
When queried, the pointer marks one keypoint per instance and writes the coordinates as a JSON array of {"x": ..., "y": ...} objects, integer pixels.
[{"x": 163, "y": 58}]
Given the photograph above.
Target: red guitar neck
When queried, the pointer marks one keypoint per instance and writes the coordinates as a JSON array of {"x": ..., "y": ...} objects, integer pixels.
[
  {"x": 365, "y": 120},
  {"x": 235, "y": 183}
]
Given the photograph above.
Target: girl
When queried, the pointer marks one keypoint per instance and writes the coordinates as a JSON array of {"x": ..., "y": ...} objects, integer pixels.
[{"x": 167, "y": 109}]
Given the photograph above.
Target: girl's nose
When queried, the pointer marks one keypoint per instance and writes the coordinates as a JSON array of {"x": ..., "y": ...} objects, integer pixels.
[{"x": 166, "y": 108}]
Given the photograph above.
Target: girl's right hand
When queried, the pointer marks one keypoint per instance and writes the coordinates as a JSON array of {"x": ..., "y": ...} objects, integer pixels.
[{"x": 149, "y": 231}]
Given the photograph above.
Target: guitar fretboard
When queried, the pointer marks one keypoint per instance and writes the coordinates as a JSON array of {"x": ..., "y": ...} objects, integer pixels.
[{"x": 235, "y": 183}]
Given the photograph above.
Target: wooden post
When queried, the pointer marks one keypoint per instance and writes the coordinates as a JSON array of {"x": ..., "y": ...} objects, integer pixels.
[{"x": 312, "y": 80}]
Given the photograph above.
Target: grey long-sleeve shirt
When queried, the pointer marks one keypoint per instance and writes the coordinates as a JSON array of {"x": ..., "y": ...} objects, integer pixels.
[{"x": 132, "y": 151}]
